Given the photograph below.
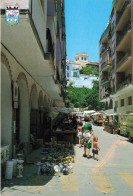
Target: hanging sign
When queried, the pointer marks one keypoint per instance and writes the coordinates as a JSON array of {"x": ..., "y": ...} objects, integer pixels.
[{"x": 12, "y": 15}]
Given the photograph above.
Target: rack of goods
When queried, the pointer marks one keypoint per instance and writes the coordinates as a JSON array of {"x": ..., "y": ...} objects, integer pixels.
[
  {"x": 111, "y": 124},
  {"x": 98, "y": 118}
]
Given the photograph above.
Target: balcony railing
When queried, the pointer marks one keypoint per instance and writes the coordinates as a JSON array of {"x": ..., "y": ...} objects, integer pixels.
[
  {"x": 122, "y": 11},
  {"x": 115, "y": 2},
  {"x": 128, "y": 80},
  {"x": 107, "y": 63},
  {"x": 124, "y": 32},
  {"x": 104, "y": 49},
  {"x": 105, "y": 81},
  {"x": 106, "y": 32},
  {"x": 120, "y": 61}
]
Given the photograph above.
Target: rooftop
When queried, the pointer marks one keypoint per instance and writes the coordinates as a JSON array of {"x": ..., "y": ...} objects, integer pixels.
[
  {"x": 91, "y": 63},
  {"x": 82, "y": 53}
]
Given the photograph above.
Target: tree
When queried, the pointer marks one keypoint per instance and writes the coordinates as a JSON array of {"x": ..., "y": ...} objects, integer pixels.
[
  {"x": 90, "y": 70},
  {"x": 84, "y": 97}
]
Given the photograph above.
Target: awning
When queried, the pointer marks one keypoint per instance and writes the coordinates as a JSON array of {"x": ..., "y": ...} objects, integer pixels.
[{"x": 53, "y": 114}]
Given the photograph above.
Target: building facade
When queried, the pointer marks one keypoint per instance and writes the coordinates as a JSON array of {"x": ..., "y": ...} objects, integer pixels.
[
  {"x": 33, "y": 70},
  {"x": 73, "y": 69},
  {"x": 116, "y": 59}
]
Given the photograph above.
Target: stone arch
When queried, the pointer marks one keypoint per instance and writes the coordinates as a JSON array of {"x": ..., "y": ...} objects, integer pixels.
[
  {"x": 106, "y": 105},
  {"x": 23, "y": 110},
  {"x": 5, "y": 61},
  {"x": 41, "y": 116},
  {"x": 111, "y": 104},
  {"x": 34, "y": 112},
  {"x": 34, "y": 97},
  {"x": 40, "y": 100},
  {"x": 48, "y": 103},
  {"x": 45, "y": 101},
  {"x": 22, "y": 76},
  {"x": 6, "y": 106}
]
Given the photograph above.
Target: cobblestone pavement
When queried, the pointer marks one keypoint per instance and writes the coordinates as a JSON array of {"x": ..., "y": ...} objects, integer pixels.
[{"x": 112, "y": 174}]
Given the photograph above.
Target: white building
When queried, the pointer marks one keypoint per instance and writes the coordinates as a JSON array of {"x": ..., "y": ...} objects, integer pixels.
[
  {"x": 73, "y": 71},
  {"x": 33, "y": 69}
]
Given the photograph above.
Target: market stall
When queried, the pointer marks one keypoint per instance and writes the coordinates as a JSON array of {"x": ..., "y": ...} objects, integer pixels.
[
  {"x": 111, "y": 124},
  {"x": 98, "y": 118}
]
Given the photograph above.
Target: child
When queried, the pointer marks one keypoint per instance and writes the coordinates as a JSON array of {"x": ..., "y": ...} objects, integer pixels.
[
  {"x": 95, "y": 148},
  {"x": 80, "y": 133}
]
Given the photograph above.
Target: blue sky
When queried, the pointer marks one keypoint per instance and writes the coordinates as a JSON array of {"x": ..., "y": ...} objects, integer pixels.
[{"x": 85, "y": 22}]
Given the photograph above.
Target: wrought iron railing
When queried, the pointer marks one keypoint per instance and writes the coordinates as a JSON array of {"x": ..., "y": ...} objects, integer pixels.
[
  {"x": 121, "y": 60},
  {"x": 128, "y": 80}
]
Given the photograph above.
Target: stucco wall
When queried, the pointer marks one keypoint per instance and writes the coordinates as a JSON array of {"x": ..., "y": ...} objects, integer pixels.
[
  {"x": 126, "y": 107},
  {"x": 39, "y": 14},
  {"x": 6, "y": 108},
  {"x": 16, "y": 69}
]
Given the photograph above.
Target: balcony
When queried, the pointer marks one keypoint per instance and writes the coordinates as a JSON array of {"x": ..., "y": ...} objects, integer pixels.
[
  {"x": 124, "y": 38},
  {"x": 106, "y": 61},
  {"x": 105, "y": 34},
  {"x": 119, "y": 4},
  {"x": 123, "y": 11},
  {"x": 124, "y": 62},
  {"x": 126, "y": 82},
  {"x": 103, "y": 49},
  {"x": 124, "y": 18},
  {"x": 105, "y": 81}
]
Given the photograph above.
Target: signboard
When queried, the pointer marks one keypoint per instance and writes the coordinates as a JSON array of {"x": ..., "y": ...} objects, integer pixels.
[{"x": 12, "y": 15}]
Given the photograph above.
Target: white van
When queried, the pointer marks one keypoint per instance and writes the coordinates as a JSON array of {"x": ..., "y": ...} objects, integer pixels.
[{"x": 130, "y": 127}]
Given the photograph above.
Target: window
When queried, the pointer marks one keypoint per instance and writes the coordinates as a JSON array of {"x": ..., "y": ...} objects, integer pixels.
[
  {"x": 68, "y": 75},
  {"x": 76, "y": 59},
  {"x": 81, "y": 58},
  {"x": 85, "y": 58},
  {"x": 122, "y": 102},
  {"x": 67, "y": 67},
  {"x": 130, "y": 100},
  {"x": 75, "y": 74}
]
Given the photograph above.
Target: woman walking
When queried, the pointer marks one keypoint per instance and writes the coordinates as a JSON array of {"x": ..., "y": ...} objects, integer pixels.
[{"x": 87, "y": 139}]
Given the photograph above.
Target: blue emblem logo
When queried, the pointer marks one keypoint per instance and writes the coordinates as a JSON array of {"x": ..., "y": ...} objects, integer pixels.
[{"x": 12, "y": 15}]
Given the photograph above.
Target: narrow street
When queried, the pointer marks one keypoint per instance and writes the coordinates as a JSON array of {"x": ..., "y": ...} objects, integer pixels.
[
  {"x": 111, "y": 175},
  {"x": 64, "y": 62}
]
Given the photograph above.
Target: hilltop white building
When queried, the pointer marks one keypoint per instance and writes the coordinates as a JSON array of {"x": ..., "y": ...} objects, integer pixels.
[{"x": 73, "y": 71}]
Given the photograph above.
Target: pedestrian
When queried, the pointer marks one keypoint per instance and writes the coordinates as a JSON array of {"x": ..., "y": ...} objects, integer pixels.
[
  {"x": 95, "y": 148},
  {"x": 80, "y": 134},
  {"x": 87, "y": 139},
  {"x": 89, "y": 118}
]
